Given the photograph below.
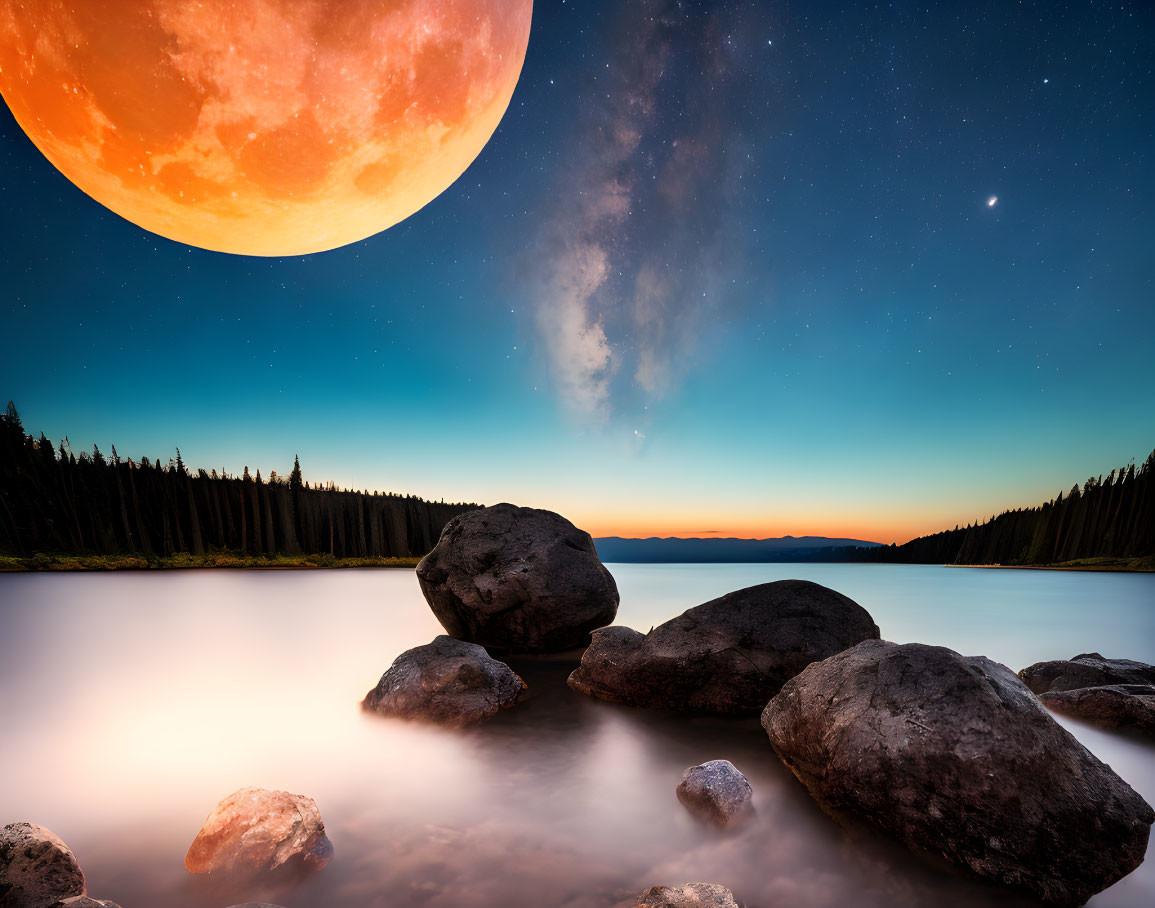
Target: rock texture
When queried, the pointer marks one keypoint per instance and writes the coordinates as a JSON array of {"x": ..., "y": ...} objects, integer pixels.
[
  {"x": 447, "y": 681},
  {"x": 730, "y": 655},
  {"x": 518, "y": 579},
  {"x": 36, "y": 868},
  {"x": 1113, "y": 706},
  {"x": 255, "y": 831},
  {"x": 955, "y": 756},
  {"x": 692, "y": 895},
  {"x": 1085, "y": 670},
  {"x": 716, "y": 792},
  {"x": 83, "y": 901}
]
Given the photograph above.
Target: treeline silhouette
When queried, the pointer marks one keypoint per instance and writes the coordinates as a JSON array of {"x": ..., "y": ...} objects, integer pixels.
[
  {"x": 1112, "y": 518},
  {"x": 55, "y": 501}
]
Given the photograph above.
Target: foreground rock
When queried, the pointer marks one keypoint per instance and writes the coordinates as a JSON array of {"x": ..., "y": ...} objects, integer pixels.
[
  {"x": 716, "y": 792},
  {"x": 955, "y": 757},
  {"x": 36, "y": 868},
  {"x": 255, "y": 831},
  {"x": 1086, "y": 670},
  {"x": 1114, "y": 706},
  {"x": 83, "y": 901},
  {"x": 730, "y": 655},
  {"x": 518, "y": 579},
  {"x": 447, "y": 681},
  {"x": 692, "y": 895}
]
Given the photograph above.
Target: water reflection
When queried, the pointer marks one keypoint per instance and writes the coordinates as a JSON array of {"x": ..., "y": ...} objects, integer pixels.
[{"x": 133, "y": 703}]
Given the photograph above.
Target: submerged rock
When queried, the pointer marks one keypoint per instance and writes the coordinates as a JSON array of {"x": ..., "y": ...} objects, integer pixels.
[
  {"x": 255, "y": 831},
  {"x": 519, "y": 579},
  {"x": 447, "y": 681},
  {"x": 1085, "y": 670},
  {"x": 954, "y": 756},
  {"x": 729, "y": 655},
  {"x": 716, "y": 792},
  {"x": 37, "y": 869},
  {"x": 1112, "y": 706},
  {"x": 692, "y": 895}
]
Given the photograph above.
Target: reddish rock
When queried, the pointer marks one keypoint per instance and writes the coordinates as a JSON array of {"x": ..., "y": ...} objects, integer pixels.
[
  {"x": 692, "y": 895},
  {"x": 255, "y": 831}
]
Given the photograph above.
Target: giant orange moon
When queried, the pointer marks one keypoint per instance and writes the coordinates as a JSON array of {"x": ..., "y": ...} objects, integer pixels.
[{"x": 263, "y": 127}]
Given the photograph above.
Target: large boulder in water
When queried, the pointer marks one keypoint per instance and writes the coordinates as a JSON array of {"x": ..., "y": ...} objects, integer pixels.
[
  {"x": 1085, "y": 670},
  {"x": 446, "y": 681},
  {"x": 517, "y": 579},
  {"x": 692, "y": 895},
  {"x": 256, "y": 831},
  {"x": 1110, "y": 706},
  {"x": 954, "y": 756},
  {"x": 729, "y": 655},
  {"x": 36, "y": 868}
]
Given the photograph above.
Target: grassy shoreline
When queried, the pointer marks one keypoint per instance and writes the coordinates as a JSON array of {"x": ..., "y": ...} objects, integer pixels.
[
  {"x": 1124, "y": 565},
  {"x": 184, "y": 561}
]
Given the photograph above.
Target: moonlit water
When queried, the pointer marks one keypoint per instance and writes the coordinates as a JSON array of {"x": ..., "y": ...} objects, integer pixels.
[{"x": 131, "y": 703}]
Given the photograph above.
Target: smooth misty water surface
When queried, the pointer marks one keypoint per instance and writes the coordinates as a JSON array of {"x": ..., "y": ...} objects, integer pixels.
[{"x": 131, "y": 703}]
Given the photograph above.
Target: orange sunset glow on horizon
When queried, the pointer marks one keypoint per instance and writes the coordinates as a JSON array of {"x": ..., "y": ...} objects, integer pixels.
[{"x": 259, "y": 127}]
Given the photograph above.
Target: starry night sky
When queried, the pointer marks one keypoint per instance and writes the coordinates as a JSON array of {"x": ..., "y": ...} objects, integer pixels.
[{"x": 726, "y": 267}]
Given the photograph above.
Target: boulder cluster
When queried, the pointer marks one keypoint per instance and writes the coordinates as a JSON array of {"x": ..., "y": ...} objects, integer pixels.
[
  {"x": 1112, "y": 693},
  {"x": 957, "y": 757}
]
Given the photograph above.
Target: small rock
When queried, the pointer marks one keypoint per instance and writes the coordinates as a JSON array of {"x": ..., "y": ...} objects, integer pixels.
[
  {"x": 255, "y": 831},
  {"x": 1112, "y": 706},
  {"x": 447, "y": 681},
  {"x": 36, "y": 868},
  {"x": 692, "y": 895},
  {"x": 1085, "y": 670},
  {"x": 519, "y": 579},
  {"x": 729, "y": 655},
  {"x": 716, "y": 792},
  {"x": 956, "y": 758}
]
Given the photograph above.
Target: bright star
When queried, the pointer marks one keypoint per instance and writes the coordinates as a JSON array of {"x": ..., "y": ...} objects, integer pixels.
[{"x": 991, "y": 201}]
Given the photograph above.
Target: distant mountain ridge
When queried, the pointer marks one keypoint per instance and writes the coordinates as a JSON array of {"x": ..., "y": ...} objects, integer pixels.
[{"x": 714, "y": 550}]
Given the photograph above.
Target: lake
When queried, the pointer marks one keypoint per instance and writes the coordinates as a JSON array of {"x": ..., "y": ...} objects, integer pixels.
[{"x": 132, "y": 703}]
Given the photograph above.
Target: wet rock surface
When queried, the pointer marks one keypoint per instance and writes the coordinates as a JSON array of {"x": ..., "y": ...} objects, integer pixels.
[
  {"x": 519, "y": 579},
  {"x": 716, "y": 792},
  {"x": 257, "y": 831},
  {"x": 729, "y": 655},
  {"x": 1113, "y": 706},
  {"x": 447, "y": 681},
  {"x": 1085, "y": 670},
  {"x": 955, "y": 757},
  {"x": 37, "y": 869},
  {"x": 692, "y": 895}
]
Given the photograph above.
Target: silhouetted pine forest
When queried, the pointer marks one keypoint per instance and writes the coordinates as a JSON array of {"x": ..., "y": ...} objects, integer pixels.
[
  {"x": 52, "y": 500},
  {"x": 1111, "y": 518}
]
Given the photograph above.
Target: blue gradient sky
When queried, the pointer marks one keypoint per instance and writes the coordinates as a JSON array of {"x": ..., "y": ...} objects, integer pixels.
[{"x": 810, "y": 320}]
